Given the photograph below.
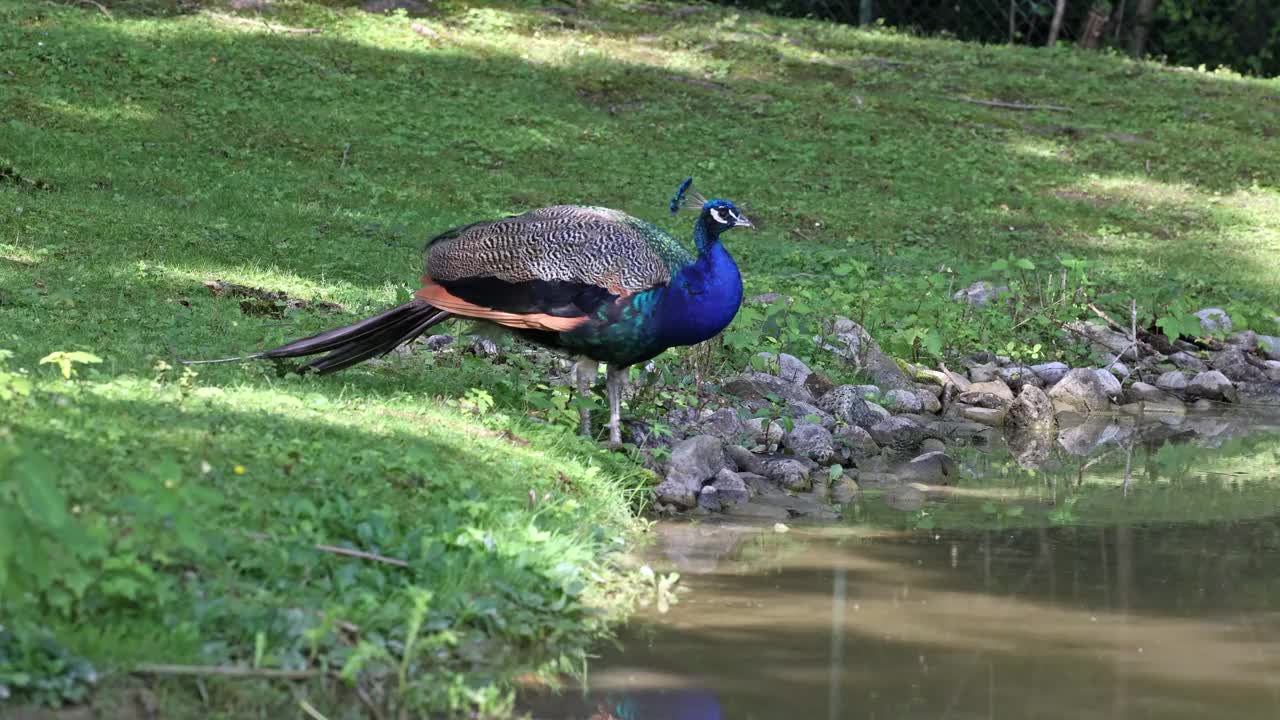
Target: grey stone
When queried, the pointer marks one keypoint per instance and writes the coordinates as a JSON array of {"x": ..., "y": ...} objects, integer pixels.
[
  {"x": 1269, "y": 345},
  {"x": 1187, "y": 361},
  {"x": 1110, "y": 385},
  {"x": 788, "y": 367},
  {"x": 1203, "y": 404},
  {"x": 956, "y": 429},
  {"x": 845, "y": 490},
  {"x": 904, "y": 498},
  {"x": 856, "y": 346},
  {"x": 993, "y": 417},
  {"x": 983, "y": 373},
  {"x": 1118, "y": 370},
  {"x": 982, "y": 399},
  {"x": 731, "y": 487},
  {"x": 483, "y": 346},
  {"x": 436, "y": 343},
  {"x": 878, "y": 411},
  {"x": 1083, "y": 438},
  {"x": 819, "y": 384},
  {"x": 1142, "y": 392},
  {"x": 764, "y": 433},
  {"x": 763, "y": 386},
  {"x": 980, "y": 293},
  {"x": 1081, "y": 391},
  {"x": 878, "y": 480},
  {"x": 855, "y": 442},
  {"x": 694, "y": 461},
  {"x": 1211, "y": 385},
  {"x": 1233, "y": 363},
  {"x": 1173, "y": 380},
  {"x": 903, "y": 401},
  {"x": 900, "y": 434},
  {"x": 932, "y": 444},
  {"x": 758, "y": 511},
  {"x": 1031, "y": 412},
  {"x": 847, "y": 405},
  {"x": 768, "y": 298},
  {"x": 1214, "y": 320},
  {"x": 811, "y": 441},
  {"x": 1050, "y": 372},
  {"x": 709, "y": 499},
  {"x": 1018, "y": 375},
  {"x": 1102, "y": 339},
  {"x": 744, "y": 459},
  {"x": 1273, "y": 370},
  {"x": 1246, "y": 340},
  {"x": 676, "y": 492},
  {"x": 929, "y": 403},
  {"x": 931, "y": 468},
  {"x": 1267, "y": 393},
  {"x": 789, "y": 473},
  {"x": 724, "y": 424},
  {"x": 869, "y": 392},
  {"x": 804, "y": 412}
]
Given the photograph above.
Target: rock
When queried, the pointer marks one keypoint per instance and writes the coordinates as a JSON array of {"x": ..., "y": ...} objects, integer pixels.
[
  {"x": 980, "y": 293},
  {"x": 1018, "y": 375},
  {"x": 1102, "y": 339},
  {"x": 811, "y": 441},
  {"x": 412, "y": 8},
  {"x": 846, "y": 404},
  {"x": 1050, "y": 372},
  {"x": 818, "y": 383},
  {"x": 758, "y": 511},
  {"x": 745, "y": 460},
  {"x": 982, "y": 399},
  {"x": 1214, "y": 320},
  {"x": 931, "y": 468},
  {"x": 1173, "y": 380},
  {"x": 856, "y": 346},
  {"x": 732, "y": 489},
  {"x": 709, "y": 499},
  {"x": 763, "y": 386},
  {"x": 1083, "y": 438},
  {"x": 993, "y": 417},
  {"x": 764, "y": 433},
  {"x": 845, "y": 491},
  {"x": 1211, "y": 385},
  {"x": 869, "y": 392},
  {"x": 1031, "y": 412},
  {"x": 904, "y": 498},
  {"x": 931, "y": 377},
  {"x": 1118, "y": 370},
  {"x": 956, "y": 429},
  {"x": 1142, "y": 392},
  {"x": 789, "y": 473},
  {"x": 804, "y": 412},
  {"x": 878, "y": 411},
  {"x": 1203, "y": 405},
  {"x": 1187, "y": 361},
  {"x": 983, "y": 373},
  {"x": 1233, "y": 363},
  {"x": 1030, "y": 448},
  {"x": 693, "y": 462},
  {"x": 1246, "y": 340},
  {"x": 932, "y": 444},
  {"x": 900, "y": 434},
  {"x": 1267, "y": 393},
  {"x": 1269, "y": 346},
  {"x": 854, "y": 442},
  {"x": 1110, "y": 385},
  {"x": 768, "y": 298},
  {"x": 904, "y": 401},
  {"x": 483, "y": 346},
  {"x": 724, "y": 424},
  {"x": 1082, "y": 391},
  {"x": 788, "y": 367},
  {"x": 676, "y": 492},
  {"x": 877, "y": 480},
  {"x": 929, "y": 403},
  {"x": 436, "y": 343}
]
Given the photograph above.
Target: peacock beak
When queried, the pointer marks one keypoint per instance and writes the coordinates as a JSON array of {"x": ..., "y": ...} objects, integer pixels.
[{"x": 741, "y": 221}]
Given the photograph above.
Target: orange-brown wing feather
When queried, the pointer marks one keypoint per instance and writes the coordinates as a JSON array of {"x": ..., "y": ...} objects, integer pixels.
[{"x": 443, "y": 299}]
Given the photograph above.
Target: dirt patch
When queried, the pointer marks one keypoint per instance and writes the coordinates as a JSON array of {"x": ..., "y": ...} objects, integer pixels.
[{"x": 266, "y": 303}]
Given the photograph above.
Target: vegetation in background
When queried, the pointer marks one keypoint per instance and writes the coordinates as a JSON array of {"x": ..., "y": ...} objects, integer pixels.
[{"x": 152, "y": 158}]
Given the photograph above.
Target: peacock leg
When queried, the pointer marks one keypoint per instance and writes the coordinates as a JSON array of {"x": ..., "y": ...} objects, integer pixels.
[
  {"x": 585, "y": 371},
  {"x": 617, "y": 378}
]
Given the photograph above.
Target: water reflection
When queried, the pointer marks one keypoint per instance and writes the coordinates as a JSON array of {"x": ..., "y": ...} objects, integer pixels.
[{"x": 1144, "y": 586}]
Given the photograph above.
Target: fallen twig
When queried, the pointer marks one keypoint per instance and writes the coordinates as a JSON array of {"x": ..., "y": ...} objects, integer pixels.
[
  {"x": 311, "y": 712},
  {"x": 225, "y": 671},
  {"x": 96, "y": 4},
  {"x": 1005, "y": 105},
  {"x": 362, "y": 555},
  {"x": 259, "y": 22}
]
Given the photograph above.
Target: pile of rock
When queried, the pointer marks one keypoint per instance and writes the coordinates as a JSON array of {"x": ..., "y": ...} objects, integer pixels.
[{"x": 806, "y": 444}]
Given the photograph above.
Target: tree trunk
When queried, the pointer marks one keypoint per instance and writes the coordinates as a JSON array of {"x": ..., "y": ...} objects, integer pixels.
[
  {"x": 866, "y": 14},
  {"x": 1091, "y": 33},
  {"x": 1141, "y": 27},
  {"x": 1013, "y": 20},
  {"x": 1055, "y": 26}
]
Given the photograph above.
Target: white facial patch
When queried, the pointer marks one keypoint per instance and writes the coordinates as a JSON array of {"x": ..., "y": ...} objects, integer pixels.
[{"x": 715, "y": 215}]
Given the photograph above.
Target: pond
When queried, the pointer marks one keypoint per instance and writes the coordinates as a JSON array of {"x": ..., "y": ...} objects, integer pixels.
[{"x": 1139, "y": 581}]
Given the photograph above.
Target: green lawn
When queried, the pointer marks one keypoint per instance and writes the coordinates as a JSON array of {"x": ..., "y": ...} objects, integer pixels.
[{"x": 311, "y": 149}]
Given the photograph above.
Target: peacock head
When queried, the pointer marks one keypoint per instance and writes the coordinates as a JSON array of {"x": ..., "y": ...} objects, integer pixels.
[{"x": 717, "y": 215}]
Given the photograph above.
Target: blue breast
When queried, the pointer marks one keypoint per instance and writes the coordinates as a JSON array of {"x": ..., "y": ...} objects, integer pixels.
[{"x": 702, "y": 299}]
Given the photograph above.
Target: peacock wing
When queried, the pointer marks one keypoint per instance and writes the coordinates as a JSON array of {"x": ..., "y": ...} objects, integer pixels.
[{"x": 551, "y": 268}]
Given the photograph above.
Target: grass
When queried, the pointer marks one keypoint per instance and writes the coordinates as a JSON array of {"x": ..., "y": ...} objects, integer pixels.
[{"x": 151, "y": 151}]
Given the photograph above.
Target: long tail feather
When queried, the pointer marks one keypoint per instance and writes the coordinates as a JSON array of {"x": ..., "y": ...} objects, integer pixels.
[{"x": 353, "y": 344}]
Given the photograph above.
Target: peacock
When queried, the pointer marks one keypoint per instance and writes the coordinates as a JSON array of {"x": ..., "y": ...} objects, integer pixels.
[{"x": 594, "y": 282}]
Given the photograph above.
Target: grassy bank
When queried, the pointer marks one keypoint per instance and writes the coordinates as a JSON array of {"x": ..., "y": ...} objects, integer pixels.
[{"x": 310, "y": 149}]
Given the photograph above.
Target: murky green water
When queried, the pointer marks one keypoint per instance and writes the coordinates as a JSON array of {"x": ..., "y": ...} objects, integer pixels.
[{"x": 1139, "y": 581}]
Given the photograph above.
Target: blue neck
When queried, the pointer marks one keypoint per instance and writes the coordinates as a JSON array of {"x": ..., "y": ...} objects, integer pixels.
[{"x": 704, "y": 296}]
